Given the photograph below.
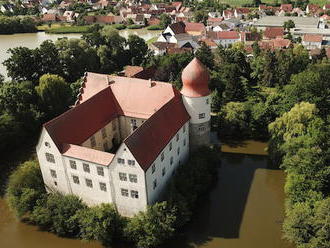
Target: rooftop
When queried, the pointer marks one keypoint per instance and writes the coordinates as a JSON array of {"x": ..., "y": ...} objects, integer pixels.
[{"x": 278, "y": 21}]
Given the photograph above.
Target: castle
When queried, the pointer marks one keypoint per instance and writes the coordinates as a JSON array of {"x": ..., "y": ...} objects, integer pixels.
[{"x": 125, "y": 137}]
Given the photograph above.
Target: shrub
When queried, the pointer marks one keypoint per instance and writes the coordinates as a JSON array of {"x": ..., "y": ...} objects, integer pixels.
[
  {"x": 134, "y": 26},
  {"x": 119, "y": 26},
  {"x": 151, "y": 228},
  {"x": 100, "y": 223},
  {"x": 56, "y": 213},
  {"x": 155, "y": 27},
  {"x": 25, "y": 187}
]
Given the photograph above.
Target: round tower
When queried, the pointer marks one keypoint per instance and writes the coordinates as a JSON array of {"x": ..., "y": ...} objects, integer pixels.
[{"x": 196, "y": 98}]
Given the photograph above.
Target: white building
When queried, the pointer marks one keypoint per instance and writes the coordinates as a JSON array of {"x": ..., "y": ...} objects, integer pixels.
[
  {"x": 310, "y": 41},
  {"x": 124, "y": 138}
]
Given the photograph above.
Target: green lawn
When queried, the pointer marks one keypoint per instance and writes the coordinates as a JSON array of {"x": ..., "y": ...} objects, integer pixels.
[
  {"x": 241, "y": 2},
  {"x": 152, "y": 40},
  {"x": 63, "y": 29}
]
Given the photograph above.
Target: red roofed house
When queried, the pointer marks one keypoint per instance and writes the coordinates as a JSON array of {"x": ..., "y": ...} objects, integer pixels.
[
  {"x": 224, "y": 38},
  {"x": 313, "y": 9},
  {"x": 194, "y": 28},
  {"x": 286, "y": 7},
  {"x": 124, "y": 138},
  {"x": 273, "y": 32},
  {"x": 326, "y": 7},
  {"x": 310, "y": 41},
  {"x": 241, "y": 13}
]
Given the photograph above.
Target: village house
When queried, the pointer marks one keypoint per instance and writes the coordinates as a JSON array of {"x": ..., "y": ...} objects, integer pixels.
[
  {"x": 273, "y": 32},
  {"x": 224, "y": 38},
  {"x": 310, "y": 41},
  {"x": 125, "y": 137}
]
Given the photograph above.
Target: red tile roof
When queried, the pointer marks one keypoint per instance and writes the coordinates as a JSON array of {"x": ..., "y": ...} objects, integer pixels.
[
  {"x": 273, "y": 32},
  {"x": 178, "y": 27},
  {"x": 223, "y": 35},
  {"x": 242, "y": 10},
  {"x": 152, "y": 136},
  {"x": 286, "y": 7},
  {"x": 131, "y": 71},
  {"x": 194, "y": 27},
  {"x": 195, "y": 79},
  {"x": 327, "y": 6},
  {"x": 312, "y": 38},
  {"x": 281, "y": 43},
  {"x": 87, "y": 154}
]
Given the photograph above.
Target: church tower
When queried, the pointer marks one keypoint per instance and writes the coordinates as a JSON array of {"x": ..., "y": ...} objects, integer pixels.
[{"x": 196, "y": 98}]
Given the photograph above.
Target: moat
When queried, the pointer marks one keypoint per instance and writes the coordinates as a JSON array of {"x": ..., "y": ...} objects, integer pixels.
[{"x": 244, "y": 210}]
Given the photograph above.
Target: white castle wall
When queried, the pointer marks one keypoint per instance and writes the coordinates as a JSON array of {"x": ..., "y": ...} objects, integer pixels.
[
  {"x": 196, "y": 106},
  {"x": 183, "y": 144}
]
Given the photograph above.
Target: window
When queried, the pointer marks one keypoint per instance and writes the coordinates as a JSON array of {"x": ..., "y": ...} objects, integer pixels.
[
  {"x": 73, "y": 164},
  {"x": 170, "y": 146},
  {"x": 50, "y": 157},
  {"x": 124, "y": 192},
  {"x": 133, "y": 122},
  {"x": 153, "y": 169},
  {"x": 162, "y": 156},
  {"x": 103, "y": 187},
  {"x": 154, "y": 185},
  {"x": 201, "y": 116},
  {"x": 207, "y": 101},
  {"x": 47, "y": 144},
  {"x": 163, "y": 171},
  {"x": 122, "y": 176},
  {"x": 121, "y": 161},
  {"x": 177, "y": 137},
  {"x": 114, "y": 126},
  {"x": 53, "y": 173},
  {"x": 178, "y": 151},
  {"x": 184, "y": 142},
  {"x": 184, "y": 128},
  {"x": 201, "y": 129},
  {"x": 89, "y": 183},
  {"x": 75, "y": 179},
  {"x": 100, "y": 171},
  {"x": 133, "y": 178},
  {"x": 134, "y": 194},
  {"x": 131, "y": 162},
  {"x": 86, "y": 168},
  {"x": 171, "y": 161},
  {"x": 93, "y": 142},
  {"x": 55, "y": 183},
  {"x": 104, "y": 133}
]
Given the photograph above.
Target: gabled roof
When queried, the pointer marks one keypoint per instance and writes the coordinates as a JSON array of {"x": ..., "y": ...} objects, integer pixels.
[
  {"x": 312, "y": 38},
  {"x": 273, "y": 32},
  {"x": 153, "y": 135},
  {"x": 223, "y": 35},
  {"x": 194, "y": 27},
  {"x": 178, "y": 27}
]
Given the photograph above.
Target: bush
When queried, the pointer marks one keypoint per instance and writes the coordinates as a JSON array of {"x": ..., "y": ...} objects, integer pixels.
[
  {"x": 119, "y": 26},
  {"x": 134, "y": 26},
  {"x": 101, "y": 223},
  {"x": 24, "y": 188},
  {"x": 155, "y": 27},
  {"x": 56, "y": 213},
  {"x": 153, "y": 227}
]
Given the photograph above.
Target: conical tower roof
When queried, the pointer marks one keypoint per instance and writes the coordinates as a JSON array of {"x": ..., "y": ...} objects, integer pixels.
[{"x": 195, "y": 79}]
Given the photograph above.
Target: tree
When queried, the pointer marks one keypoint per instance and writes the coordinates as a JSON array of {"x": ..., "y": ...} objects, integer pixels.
[
  {"x": 235, "y": 89},
  {"x": 55, "y": 94},
  {"x": 165, "y": 20},
  {"x": 101, "y": 223},
  {"x": 205, "y": 55},
  {"x": 138, "y": 49},
  {"x": 151, "y": 228},
  {"x": 22, "y": 64},
  {"x": 200, "y": 16},
  {"x": 56, "y": 213},
  {"x": 288, "y": 25},
  {"x": 76, "y": 57},
  {"x": 25, "y": 187}
]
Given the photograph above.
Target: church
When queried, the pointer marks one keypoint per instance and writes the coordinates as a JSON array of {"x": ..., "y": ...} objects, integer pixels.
[{"x": 124, "y": 138}]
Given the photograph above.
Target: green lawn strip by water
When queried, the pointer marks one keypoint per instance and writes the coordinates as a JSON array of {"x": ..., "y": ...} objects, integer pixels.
[
  {"x": 68, "y": 29},
  {"x": 152, "y": 40}
]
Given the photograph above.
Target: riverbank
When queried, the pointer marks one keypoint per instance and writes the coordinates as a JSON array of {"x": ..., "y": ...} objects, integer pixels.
[{"x": 251, "y": 147}]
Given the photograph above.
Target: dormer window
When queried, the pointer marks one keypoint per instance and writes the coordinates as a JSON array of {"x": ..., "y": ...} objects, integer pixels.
[{"x": 201, "y": 116}]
